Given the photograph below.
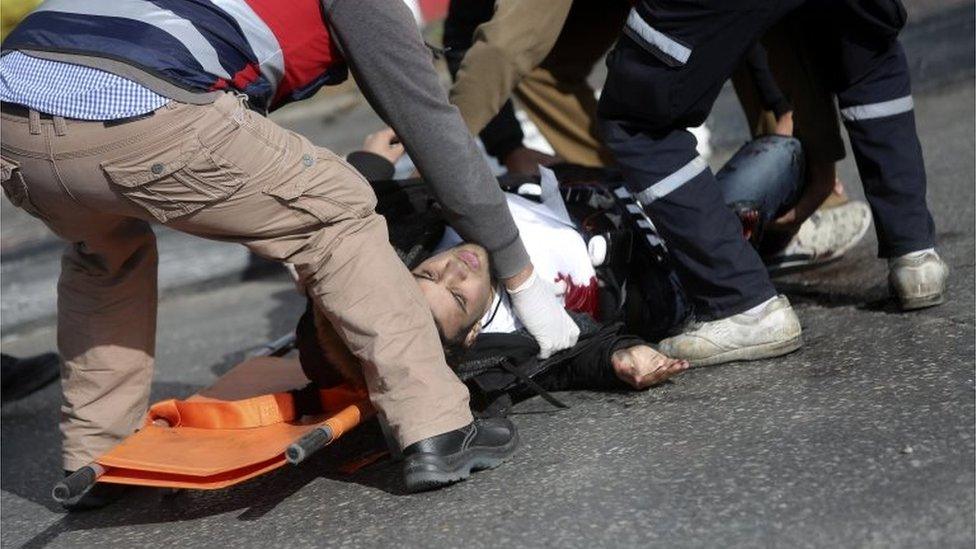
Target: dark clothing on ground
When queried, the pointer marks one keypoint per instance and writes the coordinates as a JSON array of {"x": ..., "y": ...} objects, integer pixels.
[
  {"x": 764, "y": 175},
  {"x": 20, "y": 377}
]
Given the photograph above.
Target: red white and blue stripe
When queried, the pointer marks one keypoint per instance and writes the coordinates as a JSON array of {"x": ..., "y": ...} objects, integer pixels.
[{"x": 273, "y": 51}]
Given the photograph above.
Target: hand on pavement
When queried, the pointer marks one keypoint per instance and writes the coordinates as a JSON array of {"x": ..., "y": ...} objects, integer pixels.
[
  {"x": 543, "y": 315},
  {"x": 641, "y": 366}
]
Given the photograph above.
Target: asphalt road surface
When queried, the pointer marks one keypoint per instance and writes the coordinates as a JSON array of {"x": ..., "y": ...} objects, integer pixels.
[{"x": 863, "y": 438}]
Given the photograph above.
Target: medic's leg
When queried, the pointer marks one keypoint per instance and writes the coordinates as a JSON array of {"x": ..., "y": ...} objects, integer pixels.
[
  {"x": 106, "y": 335},
  {"x": 657, "y": 86},
  {"x": 643, "y": 111},
  {"x": 106, "y": 292},
  {"x": 721, "y": 272},
  {"x": 877, "y": 109},
  {"x": 874, "y": 95}
]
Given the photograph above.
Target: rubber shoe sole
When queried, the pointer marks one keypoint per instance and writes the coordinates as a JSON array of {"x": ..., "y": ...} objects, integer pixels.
[
  {"x": 425, "y": 476},
  {"x": 921, "y": 302},
  {"x": 796, "y": 263},
  {"x": 755, "y": 352},
  {"x": 787, "y": 264},
  {"x": 922, "y": 287}
]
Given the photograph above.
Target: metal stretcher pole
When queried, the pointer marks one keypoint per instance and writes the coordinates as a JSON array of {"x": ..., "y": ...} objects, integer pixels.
[
  {"x": 308, "y": 444},
  {"x": 77, "y": 483},
  {"x": 277, "y": 347},
  {"x": 340, "y": 423}
]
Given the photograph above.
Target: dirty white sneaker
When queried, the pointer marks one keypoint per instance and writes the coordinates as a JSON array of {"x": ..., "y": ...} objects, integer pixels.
[
  {"x": 918, "y": 279},
  {"x": 763, "y": 332},
  {"x": 826, "y": 236}
]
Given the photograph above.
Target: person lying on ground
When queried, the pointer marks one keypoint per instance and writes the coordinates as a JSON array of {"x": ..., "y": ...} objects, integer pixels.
[
  {"x": 475, "y": 318},
  {"x": 470, "y": 312},
  {"x": 759, "y": 182}
]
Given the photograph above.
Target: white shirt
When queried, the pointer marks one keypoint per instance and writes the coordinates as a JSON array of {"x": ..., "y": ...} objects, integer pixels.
[{"x": 558, "y": 253}]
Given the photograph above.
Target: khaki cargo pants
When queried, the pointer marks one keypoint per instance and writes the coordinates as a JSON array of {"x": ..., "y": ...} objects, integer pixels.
[{"x": 221, "y": 172}]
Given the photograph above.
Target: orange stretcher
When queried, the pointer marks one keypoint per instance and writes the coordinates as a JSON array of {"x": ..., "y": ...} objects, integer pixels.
[{"x": 244, "y": 425}]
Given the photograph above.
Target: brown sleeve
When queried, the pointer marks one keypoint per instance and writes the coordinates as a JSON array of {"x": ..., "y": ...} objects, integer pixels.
[{"x": 515, "y": 41}]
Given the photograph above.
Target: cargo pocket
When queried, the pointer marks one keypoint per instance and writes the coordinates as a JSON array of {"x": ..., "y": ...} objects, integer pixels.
[
  {"x": 15, "y": 187},
  {"x": 321, "y": 184},
  {"x": 639, "y": 86},
  {"x": 175, "y": 182}
]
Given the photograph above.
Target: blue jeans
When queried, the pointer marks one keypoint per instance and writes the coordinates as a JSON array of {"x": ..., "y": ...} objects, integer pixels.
[{"x": 766, "y": 174}]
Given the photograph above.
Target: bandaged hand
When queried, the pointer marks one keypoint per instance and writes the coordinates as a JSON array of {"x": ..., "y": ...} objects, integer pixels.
[{"x": 542, "y": 312}]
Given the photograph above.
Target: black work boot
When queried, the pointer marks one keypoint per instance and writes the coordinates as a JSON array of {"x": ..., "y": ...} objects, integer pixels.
[{"x": 451, "y": 457}]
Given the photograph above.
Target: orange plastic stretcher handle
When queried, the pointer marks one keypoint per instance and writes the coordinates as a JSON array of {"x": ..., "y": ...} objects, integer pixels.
[{"x": 348, "y": 418}]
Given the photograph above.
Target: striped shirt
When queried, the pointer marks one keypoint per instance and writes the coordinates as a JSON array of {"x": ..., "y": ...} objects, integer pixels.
[{"x": 72, "y": 91}]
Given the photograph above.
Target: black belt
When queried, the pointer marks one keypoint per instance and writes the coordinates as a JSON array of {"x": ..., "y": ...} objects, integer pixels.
[{"x": 16, "y": 109}]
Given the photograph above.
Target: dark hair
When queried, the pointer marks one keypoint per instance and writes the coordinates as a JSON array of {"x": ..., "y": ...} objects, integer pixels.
[{"x": 454, "y": 348}]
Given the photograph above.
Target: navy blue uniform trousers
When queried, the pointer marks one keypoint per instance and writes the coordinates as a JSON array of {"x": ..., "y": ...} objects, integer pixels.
[
  {"x": 664, "y": 76},
  {"x": 869, "y": 74}
]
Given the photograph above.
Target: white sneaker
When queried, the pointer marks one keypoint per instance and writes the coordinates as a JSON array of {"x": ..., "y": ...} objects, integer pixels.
[
  {"x": 772, "y": 331},
  {"x": 826, "y": 236},
  {"x": 918, "y": 280}
]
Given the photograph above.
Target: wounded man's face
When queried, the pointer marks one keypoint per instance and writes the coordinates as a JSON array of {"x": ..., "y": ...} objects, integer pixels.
[{"x": 457, "y": 285}]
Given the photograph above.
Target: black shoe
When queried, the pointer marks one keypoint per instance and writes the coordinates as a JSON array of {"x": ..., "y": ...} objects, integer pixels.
[
  {"x": 451, "y": 457},
  {"x": 98, "y": 496},
  {"x": 20, "y": 377}
]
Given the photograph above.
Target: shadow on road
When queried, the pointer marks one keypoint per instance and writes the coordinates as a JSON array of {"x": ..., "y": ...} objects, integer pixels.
[
  {"x": 281, "y": 319},
  {"x": 859, "y": 282}
]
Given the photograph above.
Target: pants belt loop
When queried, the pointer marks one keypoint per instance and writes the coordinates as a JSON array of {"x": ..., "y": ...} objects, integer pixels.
[
  {"x": 34, "y": 122},
  {"x": 60, "y": 126}
]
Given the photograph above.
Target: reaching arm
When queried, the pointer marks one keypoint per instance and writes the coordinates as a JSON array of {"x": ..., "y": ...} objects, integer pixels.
[
  {"x": 396, "y": 74},
  {"x": 611, "y": 360},
  {"x": 519, "y": 36},
  {"x": 393, "y": 68},
  {"x": 770, "y": 95}
]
